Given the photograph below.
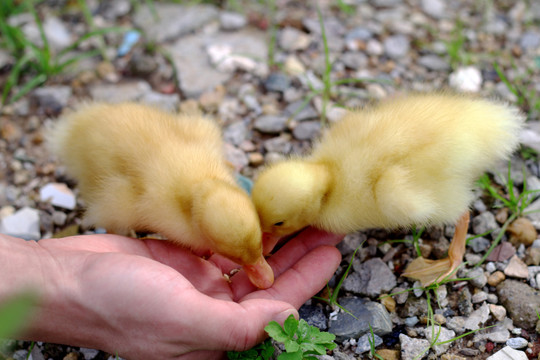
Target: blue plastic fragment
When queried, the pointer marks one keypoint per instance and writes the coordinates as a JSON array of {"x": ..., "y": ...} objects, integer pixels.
[
  {"x": 244, "y": 183},
  {"x": 130, "y": 39}
]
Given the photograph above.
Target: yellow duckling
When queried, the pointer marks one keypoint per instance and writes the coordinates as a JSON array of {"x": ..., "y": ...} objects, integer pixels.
[
  {"x": 140, "y": 168},
  {"x": 410, "y": 160}
]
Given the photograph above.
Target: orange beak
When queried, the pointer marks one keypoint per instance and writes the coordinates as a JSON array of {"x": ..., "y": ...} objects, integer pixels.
[
  {"x": 260, "y": 273},
  {"x": 269, "y": 241}
]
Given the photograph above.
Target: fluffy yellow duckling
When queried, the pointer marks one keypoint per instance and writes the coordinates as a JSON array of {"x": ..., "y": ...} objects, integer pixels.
[
  {"x": 409, "y": 160},
  {"x": 140, "y": 168}
]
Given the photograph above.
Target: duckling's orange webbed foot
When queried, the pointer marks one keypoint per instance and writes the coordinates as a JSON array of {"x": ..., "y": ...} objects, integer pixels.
[{"x": 429, "y": 271}]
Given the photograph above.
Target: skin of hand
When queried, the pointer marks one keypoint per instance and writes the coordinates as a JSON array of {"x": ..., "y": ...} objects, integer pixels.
[{"x": 143, "y": 299}]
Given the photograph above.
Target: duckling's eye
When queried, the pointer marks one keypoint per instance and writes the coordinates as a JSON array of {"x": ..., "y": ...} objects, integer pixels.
[{"x": 279, "y": 223}]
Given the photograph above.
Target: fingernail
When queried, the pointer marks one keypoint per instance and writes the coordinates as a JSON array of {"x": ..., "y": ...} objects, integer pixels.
[{"x": 282, "y": 316}]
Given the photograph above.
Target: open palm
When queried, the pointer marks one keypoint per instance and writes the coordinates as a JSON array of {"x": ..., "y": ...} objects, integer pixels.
[{"x": 145, "y": 299}]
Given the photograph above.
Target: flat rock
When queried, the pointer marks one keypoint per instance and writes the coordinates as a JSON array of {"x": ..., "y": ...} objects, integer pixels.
[
  {"x": 477, "y": 318},
  {"x": 307, "y": 130},
  {"x": 363, "y": 344},
  {"x": 173, "y": 20},
  {"x": 58, "y": 194},
  {"x": 484, "y": 222},
  {"x": 22, "y": 224},
  {"x": 520, "y": 301},
  {"x": 270, "y": 124},
  {"x": 507, "y": 353},
  {"x": 229, "y": 20},
  {"x": 396, "y": 46},
  {"x": 370, "y": 278},
  {"x": 236, "y": 157},
  {"x": 413, "y": 348},
  {"x": 196, "y": 73},
  {"x": 367, "y": 313},
  {"x": 116, "y": 93},
  {"x": 442, "y": 334},
  {"x": 502, "y": 252},
  {"x": 314, "y": 316},
  {"x": 516, "y": 268},
  {"x": 235, "y": 133},
  {"x": 167, "y": 102}
]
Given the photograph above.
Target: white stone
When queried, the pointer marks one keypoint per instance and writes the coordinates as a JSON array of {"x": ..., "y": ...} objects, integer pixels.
[
  {"x": 466, "y": 79},
  {"x": 507, "y": 353},
  {"x": 23, "y": 224},
  {"x": 441, "y": 334},
  {"x": 59, "y": 195},
  {"x": 477, "y": 317}
]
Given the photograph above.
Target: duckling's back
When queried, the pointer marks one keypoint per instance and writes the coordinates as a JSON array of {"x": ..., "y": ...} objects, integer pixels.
[
  {"x": 414, "y": 159},
  {"x": 137, "y": 161}
]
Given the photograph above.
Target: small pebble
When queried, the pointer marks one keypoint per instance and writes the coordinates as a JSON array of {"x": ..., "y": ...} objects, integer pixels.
[
  {"x": 496, "y": 278},
  {"x": 498, "y": 311},
  {"x": 517, "y": 343},
  {"x": 516, "y": 268}
]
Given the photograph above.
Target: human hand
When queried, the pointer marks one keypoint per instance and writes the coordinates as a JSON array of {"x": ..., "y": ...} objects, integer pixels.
[{"x": 145, "y": 299}]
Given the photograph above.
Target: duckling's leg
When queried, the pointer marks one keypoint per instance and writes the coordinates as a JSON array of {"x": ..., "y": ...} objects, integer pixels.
[{"x": 430, "y": 271}]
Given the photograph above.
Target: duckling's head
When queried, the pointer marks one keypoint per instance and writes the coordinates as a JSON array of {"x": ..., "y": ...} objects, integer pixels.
[
  {"x": 288, "y": 196},
  {"x": 227, "y": 219}
]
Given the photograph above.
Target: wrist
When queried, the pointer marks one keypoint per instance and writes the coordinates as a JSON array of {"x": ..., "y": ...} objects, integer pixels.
[{"x": 60, "y": 315}]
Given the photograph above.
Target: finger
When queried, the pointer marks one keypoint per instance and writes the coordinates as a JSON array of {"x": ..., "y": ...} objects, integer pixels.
[
  {"x": 304, "y": 279},
  {"x": 288, "y": 255}
]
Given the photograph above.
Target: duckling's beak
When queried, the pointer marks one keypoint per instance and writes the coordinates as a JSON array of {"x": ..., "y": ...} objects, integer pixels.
[
  {"x": 260, "y": 273},
  {"x": 269, "y": 241}
]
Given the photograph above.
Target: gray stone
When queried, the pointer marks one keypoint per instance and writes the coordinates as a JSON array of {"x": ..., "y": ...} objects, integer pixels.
[
  {"x": 465, "y": 306},
  {"x": 115, "y": 93},
  {"x": 190, "y": 56},
  {"x": 58, "y": 93},
  {"x": 367, "y": 313},
  {"x": 517, "y": 343},
  {"x": 307, "y": 130},
  {"x": 370, "y": 278},
  {"x": 270, "y": 124},
  {"x": 292, "y": 39},
  {"x": 354, "y": 60},
  {"x": 89, "y": 354},
  {"x": 413, "y": 348},
  {"x": 5, "y": 58},
  {"x": 235, "y": 133},
  {"x": 484, "y": 222},
  {"x": 281, "y": 144},
  {"x": 530, "y": 40},
  {"x": 57, "y": 33},
  {"x": 396, "y": 46},
  {"x": 498, "y": 334},
  {"x": 314, "y": 316},
  {"x": 236, "y": 156},
  {"x": 232, "y": 20},
  {"x": 477, "y": 318},
  {"x": 411, "y": 321},
  {"x": 355, "y": 36},
  {"x": 434, "y": 8},
  {"x": 277, "y": 82},
  {"x": 433, "y": 62},
  {"x": 173, "y": 20},
  {"x": 22, "y": 224},
  {"x": 520, "y": 301},
  {"x": 507, "y": 353},
  {"x": 478, "y": 278},
  {"x": 441, "y": 334},
  {"x": 480, "y": 244},
  {"x": 456, "y": 323},
  {"x": 374, "y": 47},
  {"x": 363, "y": 344},
  {"x": 167, "y": 102},
  {"x": 300, "y": 111}
]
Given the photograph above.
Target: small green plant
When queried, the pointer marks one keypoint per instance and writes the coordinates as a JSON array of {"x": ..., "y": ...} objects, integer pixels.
[
  {"x": 526, "y": 94},
  {"x": 455, "y": 47},
  {"x": 38, "y": 62},
  {"x": 301, "y": 341},
  {"x": 371, "y": 340},
  {"x": 263, "y": 351}
]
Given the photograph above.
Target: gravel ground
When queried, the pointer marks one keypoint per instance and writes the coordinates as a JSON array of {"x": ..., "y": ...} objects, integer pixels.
[{"x": 216, "y": 58}]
